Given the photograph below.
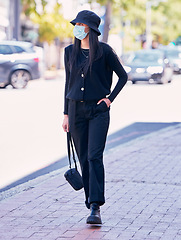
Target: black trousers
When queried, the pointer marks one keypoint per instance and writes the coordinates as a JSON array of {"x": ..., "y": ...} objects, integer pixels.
[{"x": 88, "y": 123}]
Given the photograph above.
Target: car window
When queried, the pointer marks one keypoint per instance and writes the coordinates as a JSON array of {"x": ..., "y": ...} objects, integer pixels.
[
  {"x": 174, "y": 54},
  {"x": 146, "y": 58},
  {"x": 5, "y": 49},
  {"x": 18, "y": 49},
  {"x": 26, "y": 49},
  {"x": 30, "y": 50}
]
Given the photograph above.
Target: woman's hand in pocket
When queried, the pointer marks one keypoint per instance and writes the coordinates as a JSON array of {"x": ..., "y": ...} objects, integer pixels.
[
  {"x": 106, "y": 100},
  {"x": 65, "y": 124}
]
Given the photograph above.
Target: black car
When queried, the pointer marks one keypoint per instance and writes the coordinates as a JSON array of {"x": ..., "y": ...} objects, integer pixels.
[
  {"x": 148, "y": 65},
  {"x": 19, "y": 63}
]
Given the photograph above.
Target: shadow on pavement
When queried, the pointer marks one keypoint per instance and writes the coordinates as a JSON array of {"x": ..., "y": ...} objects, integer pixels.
[{"x": 124, "y": 135}]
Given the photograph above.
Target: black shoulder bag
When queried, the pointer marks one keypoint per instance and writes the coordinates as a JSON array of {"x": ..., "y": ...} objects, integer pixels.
[{"x": 72, "y": 175}]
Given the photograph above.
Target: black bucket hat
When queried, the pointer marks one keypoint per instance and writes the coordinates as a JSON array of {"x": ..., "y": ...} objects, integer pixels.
[{"x": 89, "y": 18}]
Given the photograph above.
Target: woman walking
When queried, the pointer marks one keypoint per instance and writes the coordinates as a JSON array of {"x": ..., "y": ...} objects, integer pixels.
[{"x": 89, "y": 66}]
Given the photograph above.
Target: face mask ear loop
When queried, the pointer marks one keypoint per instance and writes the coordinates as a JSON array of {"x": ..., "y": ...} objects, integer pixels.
[{"x": 84, "y": 30}]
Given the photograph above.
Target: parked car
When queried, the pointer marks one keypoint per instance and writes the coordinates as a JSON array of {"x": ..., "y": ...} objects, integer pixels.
[
  {"x": 18, "y": 63},
  {"x": 173, "y": 54},
  {"x": 148, "y": 65}
]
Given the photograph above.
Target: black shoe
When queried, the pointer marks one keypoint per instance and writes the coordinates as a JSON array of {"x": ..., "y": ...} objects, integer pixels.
[{"x": 95, "y": 217}]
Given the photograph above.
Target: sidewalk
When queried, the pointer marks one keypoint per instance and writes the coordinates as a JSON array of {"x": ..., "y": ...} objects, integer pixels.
[{"x": 143, "y": 197}]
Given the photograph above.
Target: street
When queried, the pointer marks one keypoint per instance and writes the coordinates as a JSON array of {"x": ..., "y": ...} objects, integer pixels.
[{"x": 31, "y": 119}]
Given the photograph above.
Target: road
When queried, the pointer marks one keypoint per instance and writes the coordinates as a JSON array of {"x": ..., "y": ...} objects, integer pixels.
[{"x": 31, "y": 136}]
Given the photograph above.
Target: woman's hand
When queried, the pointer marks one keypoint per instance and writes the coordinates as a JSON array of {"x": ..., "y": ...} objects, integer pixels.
[
  {"x": 106, "y": 100},
  {"x": 65, "y": 124}
]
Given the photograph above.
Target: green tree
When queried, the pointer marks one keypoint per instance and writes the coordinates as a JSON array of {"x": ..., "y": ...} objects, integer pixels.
[
  {"x": 51, "y": 24},
  {"x": 129, "y": 16},
  {"x": 115, "y": 11},
  {"x": 30, "y": 6},
  {"x": 165, "y": 21},
  {"x": 110, "y": 5}
]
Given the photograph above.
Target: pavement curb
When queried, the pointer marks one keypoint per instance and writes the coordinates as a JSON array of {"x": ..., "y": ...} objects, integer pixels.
[
  {"x": 31, "y": 183},
  {"x": 142, "y": 138},
  {"x": 41, "y": 179}
]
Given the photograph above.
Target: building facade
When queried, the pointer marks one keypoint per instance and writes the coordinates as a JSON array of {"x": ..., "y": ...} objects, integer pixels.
[{"x": 10, "y": 19}]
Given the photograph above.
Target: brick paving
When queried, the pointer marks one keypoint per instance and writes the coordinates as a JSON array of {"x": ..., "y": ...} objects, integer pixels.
[{"x": 143, "y": 197}]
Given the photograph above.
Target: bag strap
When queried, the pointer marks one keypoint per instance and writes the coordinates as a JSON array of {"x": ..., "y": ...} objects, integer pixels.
[{"x": 70, "y": 148}]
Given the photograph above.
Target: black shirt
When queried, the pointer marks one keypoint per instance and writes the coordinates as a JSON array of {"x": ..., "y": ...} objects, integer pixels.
[{"x": 97, "y": 83}]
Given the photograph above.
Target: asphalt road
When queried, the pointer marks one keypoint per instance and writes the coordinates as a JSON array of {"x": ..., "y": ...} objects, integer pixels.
[{"x": 31, "y": 138}]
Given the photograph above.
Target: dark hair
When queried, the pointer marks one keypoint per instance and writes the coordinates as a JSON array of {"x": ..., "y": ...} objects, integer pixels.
[{"x": 95, "y": 51}]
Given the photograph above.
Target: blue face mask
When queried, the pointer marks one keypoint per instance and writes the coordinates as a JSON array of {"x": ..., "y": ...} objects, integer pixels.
[{"x": 79, "y": 32}]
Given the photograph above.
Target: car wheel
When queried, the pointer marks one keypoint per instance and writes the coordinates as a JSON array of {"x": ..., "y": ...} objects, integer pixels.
[
  {"x": 3, "y": 86},
  {"x": 19, "y": 79},
  {"x": 161, "y": 81},
  {"x": 170, "y": 79}
]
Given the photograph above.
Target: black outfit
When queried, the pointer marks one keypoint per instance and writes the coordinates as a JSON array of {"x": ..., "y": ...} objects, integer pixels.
[
  {"x": 89, "y": 122},
  {"x": 97, "y": 84}
]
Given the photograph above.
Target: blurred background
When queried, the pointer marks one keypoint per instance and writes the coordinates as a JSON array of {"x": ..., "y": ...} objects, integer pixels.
[
  {"x": 146, "y": 35},
  {"x": 126, "y": 24}
]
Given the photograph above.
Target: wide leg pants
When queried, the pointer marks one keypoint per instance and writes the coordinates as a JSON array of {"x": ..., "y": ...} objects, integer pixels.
[{"x": 89, "y": 124}]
